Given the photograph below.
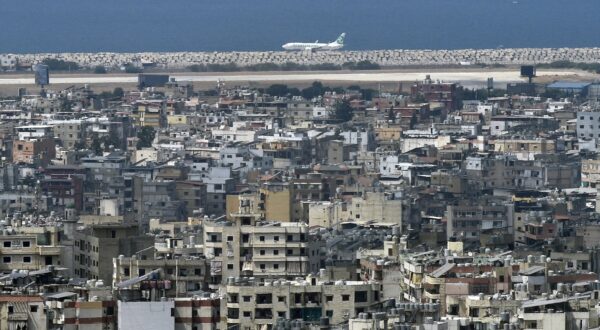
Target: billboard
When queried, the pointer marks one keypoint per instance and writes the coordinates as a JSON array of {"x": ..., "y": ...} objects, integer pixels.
[
  {"x": 527, "y": 71},
  {"x": 42, "y": 75}
]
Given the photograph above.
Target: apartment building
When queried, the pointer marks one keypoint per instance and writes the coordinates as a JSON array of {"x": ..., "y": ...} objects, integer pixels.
[
  {"x": 179, "y": 276},
  {"x": 469, "y": 219},
  {"x": 246, "y": 246},
  {"x": 31, "y": 248},
  {"x": 22, "y": 312},
  {"x": 96, "y": 246},
  {"x": 262, "y": 304}
]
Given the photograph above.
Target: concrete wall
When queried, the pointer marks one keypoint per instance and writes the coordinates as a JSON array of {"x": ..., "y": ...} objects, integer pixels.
[{"x": 146, "y": 315}]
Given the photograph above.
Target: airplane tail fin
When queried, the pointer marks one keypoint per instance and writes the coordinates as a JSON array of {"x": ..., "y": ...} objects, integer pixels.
[{"x": 340, "y": 39}]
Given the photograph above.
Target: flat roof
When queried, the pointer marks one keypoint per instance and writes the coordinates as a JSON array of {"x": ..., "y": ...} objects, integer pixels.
[{"x": 569, "y": 84}]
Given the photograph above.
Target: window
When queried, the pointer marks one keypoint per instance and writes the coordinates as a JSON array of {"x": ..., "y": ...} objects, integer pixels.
[
  {"x": 276, "y": 238},
  {"x": 276, "y": 266},
  {"x": 230, "y": 266},
  {"x": 329, "y": 298},
  {"x": 247, "y": 314},
  {"x": 263, "y": 266},
  {"x": 247, "y": 298},
  {"x": 345, "y": 297},
  {"x": 26, "y": 243},
  {"x": 290, "y": 252},
  {"x": 276, "y": 252},
  {"x": 33, "y": 308},
  {"x": 27, "y": 259},
  {"x": 6, "y": 244},
  {"x": 261, "y": 238},
  {"x": 361, "y": 296},
  {"x": 281, "y": 299},
  {"x": 11, "y": 309},
  {"x": 141, "y": 272},
  {"x": 281, "y": 314},
  {"x": 329, "y": 313},
  {"x": 230, "y": 238},
  {"x": 6, "y": 260},
  {"x": 262, "y": 252}
]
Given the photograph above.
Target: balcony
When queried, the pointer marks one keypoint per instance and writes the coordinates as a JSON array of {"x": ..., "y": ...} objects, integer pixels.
[
  {"x": 431, "y": 295},
  {"x": 279, "y": 244},
  {"x": 268, "y": 257}
]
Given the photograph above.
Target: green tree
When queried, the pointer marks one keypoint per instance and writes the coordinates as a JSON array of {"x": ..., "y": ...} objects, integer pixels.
[
  {"x": 100, "y": 69},
  {"x": 278, "y": 90},
  {"x": 118, "y": 92},
  {"x": 413, "y": 120},
  {"x": 79, "y": 145},
  {"x": 315, "y": 90},
  {"x": 145, "y": 136},
  {"x": 111, "y": 140},
  {"x": 343, "y": 111},
  {"x": 66, "y": 105},
  {"x": 294, "y": 91},
  {"x": 96, "y": 146}
]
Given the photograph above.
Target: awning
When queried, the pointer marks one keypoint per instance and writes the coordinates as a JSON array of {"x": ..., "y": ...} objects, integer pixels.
[
  {"x": 135, "y": 280},
  {"x": 532, "y": 270},
  {"x": 442, "y": 270},
  {"x": 61, "y": 295}
]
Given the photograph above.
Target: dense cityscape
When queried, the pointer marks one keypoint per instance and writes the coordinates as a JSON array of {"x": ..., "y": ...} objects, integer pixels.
[{"x": 315, "y": 188}]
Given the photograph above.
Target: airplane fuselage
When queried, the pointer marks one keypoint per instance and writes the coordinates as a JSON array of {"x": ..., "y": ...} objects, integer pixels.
[{"x": 311, "y": 46}]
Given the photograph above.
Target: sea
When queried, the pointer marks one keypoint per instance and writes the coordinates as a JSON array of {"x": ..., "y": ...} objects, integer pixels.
[{"x": 38, "y": 26}]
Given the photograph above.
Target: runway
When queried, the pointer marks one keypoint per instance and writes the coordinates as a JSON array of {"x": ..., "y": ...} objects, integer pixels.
[{"x": 468, "y": 78}]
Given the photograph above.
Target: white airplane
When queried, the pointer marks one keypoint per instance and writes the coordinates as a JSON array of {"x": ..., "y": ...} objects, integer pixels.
[{"x": 337, "y": 44}]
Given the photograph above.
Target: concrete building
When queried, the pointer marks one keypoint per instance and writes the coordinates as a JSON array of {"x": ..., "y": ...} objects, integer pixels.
[
  {"x": 97, "y": 245},
  {"x": 32, "y": 249},
  {"x": 178, "y": 314},
  {"x": 468, "y": 220},
  {"x": 179, "y": 275},
  {"x": 22, "y": 312},
  {"x": 150, "y": 113},
  {"x": 245, "y": 246},
  {"x": 258, "y": 304}
]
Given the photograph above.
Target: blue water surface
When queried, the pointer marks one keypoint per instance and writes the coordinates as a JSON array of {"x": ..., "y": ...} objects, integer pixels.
[{"x": 254, "y": 25}]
